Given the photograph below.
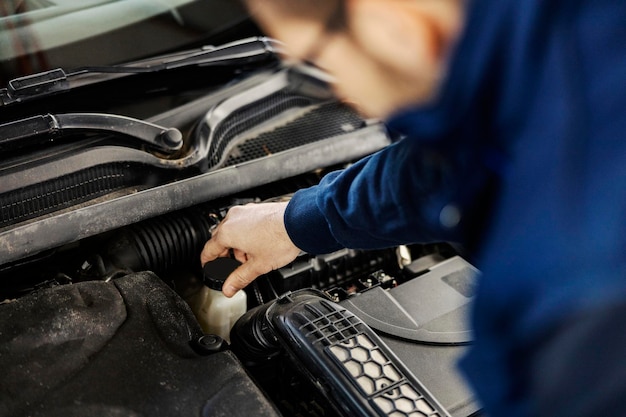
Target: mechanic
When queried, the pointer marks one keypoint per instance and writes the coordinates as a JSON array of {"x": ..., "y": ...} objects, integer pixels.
[{"x": 514, "y": 118}]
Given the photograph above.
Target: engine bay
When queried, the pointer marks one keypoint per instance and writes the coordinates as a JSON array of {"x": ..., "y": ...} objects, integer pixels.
[{"x": 104, "y": 213}]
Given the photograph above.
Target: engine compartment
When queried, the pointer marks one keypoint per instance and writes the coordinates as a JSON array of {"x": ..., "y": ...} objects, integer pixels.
[{"x": 100, "y": 238}]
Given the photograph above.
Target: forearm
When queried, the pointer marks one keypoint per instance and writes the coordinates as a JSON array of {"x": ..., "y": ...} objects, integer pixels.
[{"x": 397, "y": 196}]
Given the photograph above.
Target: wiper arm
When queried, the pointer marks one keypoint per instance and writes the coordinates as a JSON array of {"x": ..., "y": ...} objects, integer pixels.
[
  {"x": 234, "y": 53},
  {"x": 39, "y": 129},
  {"x": 237, "y": 52}
]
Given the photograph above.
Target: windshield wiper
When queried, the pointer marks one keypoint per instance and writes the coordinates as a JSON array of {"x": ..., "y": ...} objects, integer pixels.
[
  {"x": 238, "y": 52},
  {"x": 235, "y": 53},
  {"x": 40, "y": 129}
]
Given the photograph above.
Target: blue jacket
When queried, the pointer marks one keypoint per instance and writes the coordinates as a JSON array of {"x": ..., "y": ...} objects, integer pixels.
[{"x": 522, "y": 158}]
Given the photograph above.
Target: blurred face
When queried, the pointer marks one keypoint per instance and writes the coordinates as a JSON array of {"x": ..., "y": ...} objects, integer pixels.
[{"x": 370, "y": 59}]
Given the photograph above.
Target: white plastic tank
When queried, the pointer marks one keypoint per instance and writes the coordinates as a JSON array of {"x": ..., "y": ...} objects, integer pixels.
[{"x": 215, "y": 312}]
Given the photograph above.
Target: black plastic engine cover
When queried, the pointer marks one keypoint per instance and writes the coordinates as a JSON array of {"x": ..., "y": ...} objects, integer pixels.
[
  {"x": 381, "y": 352},
  {"x": 425, "y": 322},
  {"x": 115, "y": 349},
  {"x": 347, "y": 363}
]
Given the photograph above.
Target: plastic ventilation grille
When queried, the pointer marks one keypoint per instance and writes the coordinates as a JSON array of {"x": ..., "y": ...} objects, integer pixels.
[
  {"x": 248, "y": 117},
  {"x": 34, "y": 201},
  {"x": 323, "y": 122},
  {"x": 370, "y": 368}
]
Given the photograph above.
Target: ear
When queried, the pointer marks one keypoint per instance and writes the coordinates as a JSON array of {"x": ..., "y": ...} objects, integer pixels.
[{"x": 409, "y": 37}]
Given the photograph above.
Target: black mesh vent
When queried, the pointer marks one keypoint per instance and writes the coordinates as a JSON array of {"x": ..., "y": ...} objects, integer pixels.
[
  {"x": 250, "y": 116},
  {"x": 330, "y": 326},
  {"x": 34, "y": 201},
  {"x": 369, "y": 366},
  {"x": 320, "y": 123}
]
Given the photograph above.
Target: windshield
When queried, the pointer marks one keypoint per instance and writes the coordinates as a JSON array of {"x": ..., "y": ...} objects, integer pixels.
[{"x": 38, "y": 35}]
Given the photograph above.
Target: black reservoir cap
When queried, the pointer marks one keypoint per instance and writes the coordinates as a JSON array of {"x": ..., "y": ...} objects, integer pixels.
[{"x": 216, "y": 272}]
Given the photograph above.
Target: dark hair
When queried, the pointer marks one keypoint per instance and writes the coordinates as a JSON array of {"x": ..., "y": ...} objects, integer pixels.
[{"x": 331, "y": 12}]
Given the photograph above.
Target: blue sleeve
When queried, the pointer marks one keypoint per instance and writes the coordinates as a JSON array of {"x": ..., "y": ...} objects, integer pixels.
[
  {"x": 406, "y": 193},
  {"x": 437, "y": 184}
]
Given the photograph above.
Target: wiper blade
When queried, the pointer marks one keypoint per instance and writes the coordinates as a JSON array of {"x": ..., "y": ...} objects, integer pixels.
[
  {"x": 35, "y": 85},
  {"x": 40, "y": 129},
  {"x": 235, "y": 53}
]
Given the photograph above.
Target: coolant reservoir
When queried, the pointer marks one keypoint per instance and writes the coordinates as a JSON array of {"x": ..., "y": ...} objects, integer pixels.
[{"x": 215, "y": 312}]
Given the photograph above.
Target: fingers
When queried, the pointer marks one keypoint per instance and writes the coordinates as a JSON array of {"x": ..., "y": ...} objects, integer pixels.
[
  {"x": 240, "y": 278},
  {"x": 240, "y": 255},
  {"x": 257, "y": 237},
  {"x": 212, "y": 250}
]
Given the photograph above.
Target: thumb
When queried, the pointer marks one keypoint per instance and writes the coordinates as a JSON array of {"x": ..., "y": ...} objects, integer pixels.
[{"x": 240, "y": 278}]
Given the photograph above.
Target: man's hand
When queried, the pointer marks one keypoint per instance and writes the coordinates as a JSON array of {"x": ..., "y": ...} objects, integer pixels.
[{"x": 256, "y": 233}]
